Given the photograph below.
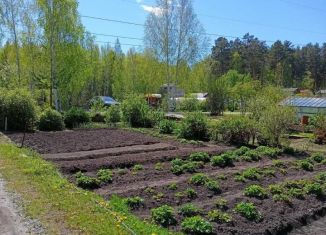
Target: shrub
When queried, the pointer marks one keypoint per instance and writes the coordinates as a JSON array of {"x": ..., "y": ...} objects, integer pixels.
[
  {"x": 318, "y": 157},
  {"x": 279, "y": 163},
  {"x": 134, "y": 202},
  {"x": 176, "y": 169},
  {"x": 248, "y": 210},
  {"x": 296, "y": 192},
  {"x": 255, "y": 191},
  {"x": 219, "y": 216},
  {"x": 188, "y": 210},
  {"x": 194, "y": 126},
  {"x": 19, "y": 108},
  {"x": 306, "y": 165},
  {"x": 135, "y": 111},
  {"x": 113, "y": 115},
  {"x": 236, "y": 130},
  {"x": 166, "y": 127},
  {"x": 51, "y": 120},
  {"x": 191, "y": 193},
  {"x": 104, "y": 175},
  {"x": 213, "y": 186},
  {"x": 188, "y": 105},
  {"x": 199, "y": 156},
  {"x": 76, "y": 116},
  {"x": 163, "y": 215},
  {"x": 222, "y": 160},
  {"x": 199, "y": 179},
  {"x": 196, "y": 225},
  {"x": 177, "y": 162},
  {"x": 86, "y": 182},
  {"x": 281, "y": 198}
]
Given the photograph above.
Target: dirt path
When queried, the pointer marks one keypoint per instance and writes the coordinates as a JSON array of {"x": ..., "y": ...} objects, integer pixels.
[{"x": 12, "y": 222}]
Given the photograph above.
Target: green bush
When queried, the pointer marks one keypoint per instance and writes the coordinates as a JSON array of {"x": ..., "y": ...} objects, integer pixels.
[
  {"x": 76, "y": 116},
  {"x": 236, "y": 130},
  {"x": 176, "y": 169},
  {"x": 251, "y": 155},
  {"x": 163, "y": 215},
  {"x": 194, "y": 126},
  {"x": 188, "y": 210},
  {"x": 219, "y": 216},
  {"x": 188, "y": 105},
  {"x": 198, "y": 179},
  {"x": 166, "y": 127},
  {"x": 113, "y": 115},
  {"x": 173, "y": 186},
  {"x": 241, "y": 151},
  {"x": 104, "y": 175},
  {"x": 138, "y": 167},
  {"x": 19, "y": 108},
  {"x": 199, "y": 156},
  {"x": 86, "y": 182},
  {"x": 276, "y": 189},
  {"x": 268, "y": 151},
  {"x": 255, "y": 191},
  {"x": 134, "y": 202},
  {"x": 51, "y": 120},
  {"x": 192, "y": 167},
  {"x": 248, "y": 210},
  {"x": 135, "y": 111},
  {"x": 196, "y": 225}
]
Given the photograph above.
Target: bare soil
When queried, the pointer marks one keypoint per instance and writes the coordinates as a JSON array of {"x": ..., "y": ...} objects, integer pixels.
[{"x": 91, "y": 150}]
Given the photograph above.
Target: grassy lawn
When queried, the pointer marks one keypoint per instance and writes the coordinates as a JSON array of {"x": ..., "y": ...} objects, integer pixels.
[{"x": 59, "y": 205}]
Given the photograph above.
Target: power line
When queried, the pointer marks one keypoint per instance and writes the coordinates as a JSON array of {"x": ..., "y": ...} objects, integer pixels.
[
  {"x": 303, "y": 6},
  {"x": 116, "y": 36},
  {"x": 111, "y": 20},
  {"x": 123, "y": 44}
]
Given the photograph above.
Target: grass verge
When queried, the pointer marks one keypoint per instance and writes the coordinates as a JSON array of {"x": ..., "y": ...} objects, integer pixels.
[{"x": 59, "y": 205}]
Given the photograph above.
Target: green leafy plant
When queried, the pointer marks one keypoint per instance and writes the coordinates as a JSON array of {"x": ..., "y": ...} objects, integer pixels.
[
  {"x": 199, "y": 157},
  {"x": 134, "y": 202},
  {"x": 51, "y": 120},
  {"x": 138, "y": 167},
  {"x": 190, "y": 193},
  {"x": 282, "y": 198},
  {"x": 279, "y": 163},
  {"x": 314, "y": 188},
  {"x": 166, "y": 127},
  {"x": 192, "y": 167},
  {"x": 163, "y": 215},
  {"x": 176, "y": 169},
  {"x": 248, "y": 210},
  {"x": 159, "y": 166},
  {"x": 221, "y": 203},
  {"x": 86, "y": 182},
  {"x": 105, "y": 175},
  {"x": 113, "y": 115},
  {"x": 199, "y": 179},
  {"x": 276, "y": 189},
  {"x": 76, "y": 116},
  {"x": 173, "y": 186},
  {"x": 158, "y": 197},
  {"x": 269, "y": 151},
  {"x": 318, "y": 157},
  {"x": 213, "y": 186},
  {"x": 196, "y": 225},
  {"x": 222, "y": 160},
  {"x": 306, "y": 165},
  {"x": 253, "y": 155},
  {"x": 188, "y": 210},
  {"x": 219, "y": 216},
  {"x": 241, "y": 151},
  {"x": 194, "y": 126},
  {"x": 255, "y": 191}
]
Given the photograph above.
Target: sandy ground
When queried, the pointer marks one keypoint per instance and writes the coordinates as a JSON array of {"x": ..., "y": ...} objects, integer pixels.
[{"x": 12, "y": 220}]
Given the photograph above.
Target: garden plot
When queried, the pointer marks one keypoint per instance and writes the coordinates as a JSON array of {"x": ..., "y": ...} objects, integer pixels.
[{"x": 198, "y": 189}]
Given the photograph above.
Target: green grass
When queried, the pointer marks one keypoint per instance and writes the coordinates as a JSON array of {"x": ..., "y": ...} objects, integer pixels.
[{"x": 61, "y": 206}]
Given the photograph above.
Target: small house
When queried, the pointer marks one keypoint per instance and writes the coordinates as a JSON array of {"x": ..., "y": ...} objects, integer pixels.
[
  {"x": 306, "y": 107},
  {"x": 172, "y": 89}
]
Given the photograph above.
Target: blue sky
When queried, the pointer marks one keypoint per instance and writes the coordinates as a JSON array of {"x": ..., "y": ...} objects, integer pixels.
[{"x": 299, "y": 21}]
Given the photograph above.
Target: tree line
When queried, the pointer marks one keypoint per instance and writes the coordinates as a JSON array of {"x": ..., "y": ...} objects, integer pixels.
[{"x": 46, "y": 49}]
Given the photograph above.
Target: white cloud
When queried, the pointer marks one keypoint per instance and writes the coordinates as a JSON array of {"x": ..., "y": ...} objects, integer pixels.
[{"x": 155, "y": 10}]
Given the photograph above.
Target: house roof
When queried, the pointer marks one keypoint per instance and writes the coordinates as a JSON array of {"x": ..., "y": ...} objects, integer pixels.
[{"x": 305, "y": 102}]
